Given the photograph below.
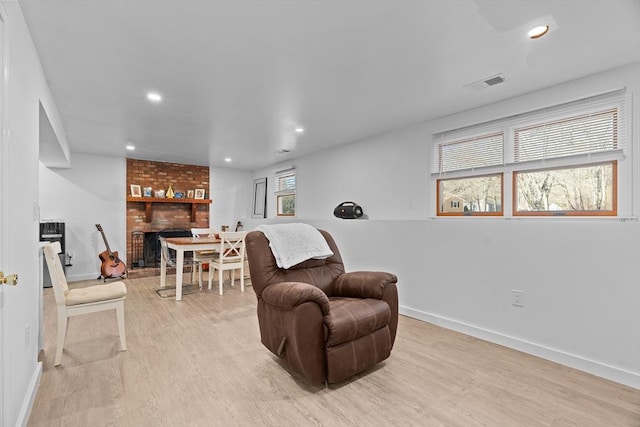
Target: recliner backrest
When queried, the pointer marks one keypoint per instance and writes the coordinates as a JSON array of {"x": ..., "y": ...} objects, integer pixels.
[{"x": 264, "y": 270}]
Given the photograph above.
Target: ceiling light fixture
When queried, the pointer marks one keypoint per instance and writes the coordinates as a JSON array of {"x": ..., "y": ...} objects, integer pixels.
[
  {"x": 130, "y": 147},
  {"x": 227, "y": 159},
  {"x": 299, "y": 130},
  {"x": 537, "y": 32},
  {"x": 154, "y": 97}
]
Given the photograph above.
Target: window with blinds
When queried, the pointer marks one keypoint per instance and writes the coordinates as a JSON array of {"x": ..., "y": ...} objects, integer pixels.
[
  {"x": 587, "y": 133},
  {"x": 560, "y": 160},
  {"x": 471, "y": 153},
  {"x": 285, "y": 190},
  {"x": 286, "y": 183}
]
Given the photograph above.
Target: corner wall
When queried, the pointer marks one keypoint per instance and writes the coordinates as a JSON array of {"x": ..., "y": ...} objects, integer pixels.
[{"x": 90, "y": 192}]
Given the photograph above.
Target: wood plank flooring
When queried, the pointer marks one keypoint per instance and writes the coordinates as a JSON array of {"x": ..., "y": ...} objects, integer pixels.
[{"x": 199, "y": 362}]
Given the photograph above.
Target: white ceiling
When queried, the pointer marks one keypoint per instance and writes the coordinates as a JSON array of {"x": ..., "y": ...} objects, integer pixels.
[{"x": 237, "y": 77}]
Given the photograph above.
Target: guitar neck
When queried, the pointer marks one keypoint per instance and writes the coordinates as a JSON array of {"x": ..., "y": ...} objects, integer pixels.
[
  {"x": 105, "y": 242},
  {"x": 104, "y": 238}
]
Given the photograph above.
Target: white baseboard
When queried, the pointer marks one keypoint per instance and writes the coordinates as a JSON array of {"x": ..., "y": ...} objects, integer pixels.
[
  {"x": 30, "y": 396},
  {"x": 628, "y": 378}
]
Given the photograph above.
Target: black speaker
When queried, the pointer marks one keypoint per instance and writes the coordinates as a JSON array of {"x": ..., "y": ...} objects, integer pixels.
[{"x": 348, "y": 210}]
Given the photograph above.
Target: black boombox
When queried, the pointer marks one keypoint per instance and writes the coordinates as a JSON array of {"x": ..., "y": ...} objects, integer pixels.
[{"x": 348, "y": 210}]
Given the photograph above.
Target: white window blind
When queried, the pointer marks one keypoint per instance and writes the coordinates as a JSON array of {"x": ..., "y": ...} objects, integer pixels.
[
  {"x": 469, "y": 153},
  {"x": 597, "y": 131},
  {"x": 595, "y": 124},
  {"x": 286, "y": 183}
]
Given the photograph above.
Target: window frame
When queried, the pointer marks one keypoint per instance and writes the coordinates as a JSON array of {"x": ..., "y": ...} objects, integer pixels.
[
  {"x": 617, "y": 103},
  {"x": 439, "y": 199},
  {"x": 280, "y": 194},
  {"x": 279, "y": 198},
  {"x": 614, "y": 193}
]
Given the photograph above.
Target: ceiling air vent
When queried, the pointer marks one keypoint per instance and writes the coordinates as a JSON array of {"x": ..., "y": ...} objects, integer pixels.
[{"x": 489, "y": 81}]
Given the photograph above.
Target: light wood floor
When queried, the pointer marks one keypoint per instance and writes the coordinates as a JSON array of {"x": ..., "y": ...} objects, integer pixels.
[{"x": 199, "y": 362}]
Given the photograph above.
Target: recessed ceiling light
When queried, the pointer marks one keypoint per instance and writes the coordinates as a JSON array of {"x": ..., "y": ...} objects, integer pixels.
[
  {"x": 537, "y": 32},
  {"x": 299, "y": 130},
  {"x": 154, "y": 97},
  {"x": 227, "y": 159},
  {"x": 130, "y": 147}
]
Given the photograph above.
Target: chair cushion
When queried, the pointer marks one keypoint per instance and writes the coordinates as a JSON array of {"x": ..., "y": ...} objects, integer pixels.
[
  {"x": 351, "y": 318},
  {"x": 96, "y": 293}
]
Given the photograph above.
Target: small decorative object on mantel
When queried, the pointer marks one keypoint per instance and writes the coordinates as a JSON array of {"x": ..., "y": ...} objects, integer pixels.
[
  {"x": 189, "y": 194},
  {"x": 135, "y": 191},
  {"x": 199, "y": 193},
  {"x": 147, "y": 191},
  {"x": 179, "y": 194},
  {"x": 170, "y": 193},
  {"x": 159, "y": 194}
]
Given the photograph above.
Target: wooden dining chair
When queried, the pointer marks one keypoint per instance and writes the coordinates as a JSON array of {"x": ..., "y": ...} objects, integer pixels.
[
  {"x": 201, "y": 257},
  {"x": 231, "y": 256},
  {"x": 73, "y": 302}
]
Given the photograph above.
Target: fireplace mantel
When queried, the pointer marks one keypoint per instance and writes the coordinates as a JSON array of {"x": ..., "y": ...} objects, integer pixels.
[{"x": 149, "y": 201}]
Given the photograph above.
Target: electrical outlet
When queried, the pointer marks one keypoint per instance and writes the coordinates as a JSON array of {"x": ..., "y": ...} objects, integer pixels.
[{"x": 517, "y": 298}]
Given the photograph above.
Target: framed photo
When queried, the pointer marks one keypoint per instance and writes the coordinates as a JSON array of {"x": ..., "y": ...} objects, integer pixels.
[
  {"x": 199, "y": 194},
  {"x": 189, "y": 194},
  {"x": 259, "y": 198},
  {"x": 147, "y": 191},
  {"x": 135, "y": 191},
  {"x": 159, "y": 194}
]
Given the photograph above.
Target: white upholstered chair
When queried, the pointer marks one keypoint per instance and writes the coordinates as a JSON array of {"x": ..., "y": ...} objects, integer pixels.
[
  {"x": 73, "y": 302},
  {"x": 230, "y": 256},
  {"x": 201, "y": 257}
]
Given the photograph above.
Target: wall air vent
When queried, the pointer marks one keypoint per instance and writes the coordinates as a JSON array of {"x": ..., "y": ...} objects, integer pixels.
[{"x": 487, "y": 82}]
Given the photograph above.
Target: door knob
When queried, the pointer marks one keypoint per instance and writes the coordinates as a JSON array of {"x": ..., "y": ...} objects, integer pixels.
[{"x": 11, "y": 279}]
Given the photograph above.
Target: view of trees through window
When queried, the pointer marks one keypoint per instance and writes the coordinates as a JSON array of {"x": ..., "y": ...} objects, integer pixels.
[
  {"x": 287, "y": 205},
  {"x": 475, "y": 195},
  {"x": 578, "y": 189}
]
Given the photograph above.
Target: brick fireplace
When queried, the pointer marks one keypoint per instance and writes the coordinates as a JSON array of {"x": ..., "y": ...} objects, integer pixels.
[{"x": 146, "y": 216}]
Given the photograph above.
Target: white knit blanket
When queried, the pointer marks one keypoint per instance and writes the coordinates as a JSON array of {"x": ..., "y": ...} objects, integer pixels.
[{"x": 296, "y": 242}]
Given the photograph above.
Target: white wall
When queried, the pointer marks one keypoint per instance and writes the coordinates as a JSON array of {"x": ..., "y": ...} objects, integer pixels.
[
  {"x": 231, "y": 194},
  {"x": 91, "y": 192},
  {"x": 24, "y": 89},
  {"x": 579, "y": 276}
]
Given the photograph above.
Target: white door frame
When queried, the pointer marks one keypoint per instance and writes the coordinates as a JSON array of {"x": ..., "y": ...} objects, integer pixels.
[{"x": 4, "y": 213}]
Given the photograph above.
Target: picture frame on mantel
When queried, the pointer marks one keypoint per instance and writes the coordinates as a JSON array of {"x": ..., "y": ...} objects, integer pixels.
[
  {"x": 259, "y": 198},
  {"x": 135, "y": 191},
  {"x": 199, "y": 194},
  {"x": 189, "y": 194}
]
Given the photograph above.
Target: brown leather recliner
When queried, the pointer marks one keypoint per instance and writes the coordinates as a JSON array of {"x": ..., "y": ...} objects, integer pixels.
[{"x": 327, "y": 324}]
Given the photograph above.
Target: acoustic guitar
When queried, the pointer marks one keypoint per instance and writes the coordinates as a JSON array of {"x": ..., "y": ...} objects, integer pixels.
[{"x": 112, "y": 266}]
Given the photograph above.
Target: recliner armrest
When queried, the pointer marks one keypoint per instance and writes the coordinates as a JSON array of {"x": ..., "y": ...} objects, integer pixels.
[
  {"x": 363, "y": 284},
  {"x": 287, "y": 295}
]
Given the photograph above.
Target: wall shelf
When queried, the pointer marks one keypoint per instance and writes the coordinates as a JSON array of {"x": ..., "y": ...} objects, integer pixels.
[{"x": 149, "y": 201}]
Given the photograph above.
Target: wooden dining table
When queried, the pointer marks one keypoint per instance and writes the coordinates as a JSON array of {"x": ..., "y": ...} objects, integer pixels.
[{"x": 182, "y": 245}]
